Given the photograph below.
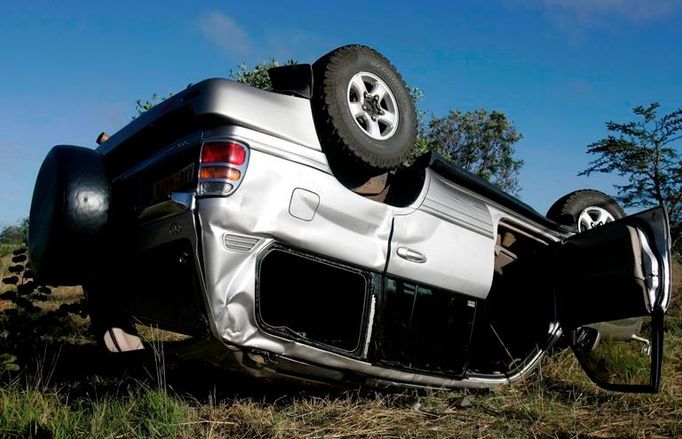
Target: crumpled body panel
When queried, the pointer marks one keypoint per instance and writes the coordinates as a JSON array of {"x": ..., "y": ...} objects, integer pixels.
[{"x": 304, "y": 207}]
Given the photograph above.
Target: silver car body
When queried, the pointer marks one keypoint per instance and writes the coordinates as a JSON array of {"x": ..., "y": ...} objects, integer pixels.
[{"x": 447, "y": 237}]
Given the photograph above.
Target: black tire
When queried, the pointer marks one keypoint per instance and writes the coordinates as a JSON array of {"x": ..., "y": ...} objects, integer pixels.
[
  {"x": 69, "y": 212},
  {"x": 587, "y": 203},
  {"x": 379, "y": 144}
]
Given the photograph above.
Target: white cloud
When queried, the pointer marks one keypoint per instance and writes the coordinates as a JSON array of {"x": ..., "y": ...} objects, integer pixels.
[
  {"x": 281, "y": 43},
  {"x": 296, "y": 44},
  {"x": 224, "y": 32}
]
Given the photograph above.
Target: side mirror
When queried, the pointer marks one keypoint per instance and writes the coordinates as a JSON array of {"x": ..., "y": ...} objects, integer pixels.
[{"x": 622, "y": 355}]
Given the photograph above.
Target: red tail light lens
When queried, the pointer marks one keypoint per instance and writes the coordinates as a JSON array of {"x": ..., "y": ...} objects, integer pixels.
[{"x": 223, "y": 152}]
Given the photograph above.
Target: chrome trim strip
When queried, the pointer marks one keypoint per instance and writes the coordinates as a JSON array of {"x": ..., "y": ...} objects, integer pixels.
[
  {"x": 651, "y": 271},
  {"x": 555, "y": 332},
  {"x": 370, "y": 325},
  {"x": 240, "y": 242},
  {"x": 178, "y": 202}
]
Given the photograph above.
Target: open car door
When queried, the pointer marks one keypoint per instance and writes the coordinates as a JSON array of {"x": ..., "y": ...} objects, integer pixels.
[{"x": 613, "y": 288}]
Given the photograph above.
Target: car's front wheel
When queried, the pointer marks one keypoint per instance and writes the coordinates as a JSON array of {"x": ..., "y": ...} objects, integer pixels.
[{"x": 585, "y": 209}]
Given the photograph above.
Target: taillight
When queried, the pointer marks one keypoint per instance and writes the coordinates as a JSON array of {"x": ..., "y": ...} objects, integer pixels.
[
  {"x": 231, "y": 153},
  {"x": 222, "y": 166}
]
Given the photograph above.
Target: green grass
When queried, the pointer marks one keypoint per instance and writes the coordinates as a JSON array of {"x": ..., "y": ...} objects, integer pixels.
[
  {"x": 142, "y": 412},
  {"x": 556, "y": 402},
  {"x": 6, "y": 249}
]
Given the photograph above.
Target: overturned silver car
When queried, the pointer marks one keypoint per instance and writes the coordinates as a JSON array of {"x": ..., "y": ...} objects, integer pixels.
[{"x": 287, "y": 229}]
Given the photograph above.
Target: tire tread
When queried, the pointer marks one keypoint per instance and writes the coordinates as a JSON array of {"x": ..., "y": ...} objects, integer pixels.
[{"x": 341, "y": 142}]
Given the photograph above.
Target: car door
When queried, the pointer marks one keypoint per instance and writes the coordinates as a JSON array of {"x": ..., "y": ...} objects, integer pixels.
[
  {"x": 612, "y": 286},
  {"x": 448, "y": 242}
]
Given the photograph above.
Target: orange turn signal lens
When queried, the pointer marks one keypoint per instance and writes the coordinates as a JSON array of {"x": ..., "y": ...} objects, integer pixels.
[
  {"x": 233, "y": 174},
  {"x": 211, "y": 172}
]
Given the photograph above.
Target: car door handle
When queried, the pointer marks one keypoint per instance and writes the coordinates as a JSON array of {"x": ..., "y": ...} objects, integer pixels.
[{"x": 411, "y": 255}]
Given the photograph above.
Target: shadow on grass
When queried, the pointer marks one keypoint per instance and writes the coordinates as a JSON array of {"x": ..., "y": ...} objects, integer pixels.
[
  {"x": 44, "y": 335},
  {"x": 47, "y": 330},
  {"x": 85, "y": 370}
]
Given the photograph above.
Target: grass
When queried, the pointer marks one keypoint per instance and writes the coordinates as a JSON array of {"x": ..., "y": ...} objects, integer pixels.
[
  {"x": 6, "y": 249},
  {"x": 141, "y": 412},
  {"x": 67, "y": 390}
]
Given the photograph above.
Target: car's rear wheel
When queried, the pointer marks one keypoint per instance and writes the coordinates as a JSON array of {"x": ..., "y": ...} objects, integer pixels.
[
  {"x": 585, "y": 209},
  {"x": 363, "y": 111},
  {"x": 69, "y": 212}
]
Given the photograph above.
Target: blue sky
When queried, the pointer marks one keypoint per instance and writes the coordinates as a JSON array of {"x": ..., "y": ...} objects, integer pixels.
[{"x": 559, "y": 69}]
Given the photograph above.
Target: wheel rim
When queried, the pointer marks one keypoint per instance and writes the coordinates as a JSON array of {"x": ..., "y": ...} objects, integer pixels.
[
  {"x": 372, "y": 105},
  {"x": 593, "y": 217}
]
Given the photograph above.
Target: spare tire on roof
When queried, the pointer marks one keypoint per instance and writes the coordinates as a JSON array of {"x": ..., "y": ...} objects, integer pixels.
[{"x": 363, "y": 111}]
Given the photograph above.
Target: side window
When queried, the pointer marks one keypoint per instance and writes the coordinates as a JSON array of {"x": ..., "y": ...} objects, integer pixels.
[
  {"x": 424, "y": 329},
  {"x": 305, "y": 298}
]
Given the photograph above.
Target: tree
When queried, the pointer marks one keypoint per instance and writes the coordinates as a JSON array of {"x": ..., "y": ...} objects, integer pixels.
[
  {"x": 143, "y": 106},
  {"x": 479, "y": 141},
  {"x": 16, "y": 234},
  {"x": 258, "y": 75},
  {"x": 646, "y": 152}
]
